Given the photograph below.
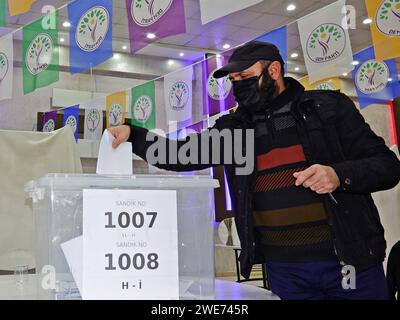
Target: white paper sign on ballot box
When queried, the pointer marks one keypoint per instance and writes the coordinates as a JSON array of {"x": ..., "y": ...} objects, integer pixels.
[{"x": 130, "y": 244}]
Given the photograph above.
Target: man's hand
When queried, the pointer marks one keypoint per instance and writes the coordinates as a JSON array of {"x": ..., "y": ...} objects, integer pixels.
[
  {"x": 121, "y": 134},
  {"x": 318, "y": 178}
]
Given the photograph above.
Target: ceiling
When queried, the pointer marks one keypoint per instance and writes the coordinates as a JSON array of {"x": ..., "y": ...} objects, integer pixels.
[{"x": 233, "y": 29}]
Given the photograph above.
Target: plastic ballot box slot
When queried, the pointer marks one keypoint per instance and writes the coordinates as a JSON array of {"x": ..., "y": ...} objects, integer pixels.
[{"x": 58, "y": 213}]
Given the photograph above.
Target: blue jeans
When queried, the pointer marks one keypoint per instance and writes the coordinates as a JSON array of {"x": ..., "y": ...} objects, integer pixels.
[{"x": 322, "y": 280}]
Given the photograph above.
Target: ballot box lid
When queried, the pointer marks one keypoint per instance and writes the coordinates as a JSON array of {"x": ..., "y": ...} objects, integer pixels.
[{"x": 79, "y": 181}]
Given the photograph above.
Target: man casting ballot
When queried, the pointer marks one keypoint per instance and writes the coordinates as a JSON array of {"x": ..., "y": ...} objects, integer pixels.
[{"x": 306, "y": 208}]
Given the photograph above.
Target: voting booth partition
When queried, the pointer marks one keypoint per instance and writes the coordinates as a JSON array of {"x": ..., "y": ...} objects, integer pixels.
[{"x": 124, "y": 237}]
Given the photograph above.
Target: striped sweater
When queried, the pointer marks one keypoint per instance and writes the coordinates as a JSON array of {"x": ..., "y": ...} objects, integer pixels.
[{"x": 290, "y": 222}]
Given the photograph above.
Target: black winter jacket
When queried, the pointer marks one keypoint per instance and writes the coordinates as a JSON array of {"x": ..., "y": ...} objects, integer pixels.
[
  {"x": 393, "y": 272},
  {"x": 334, "y": 133}
]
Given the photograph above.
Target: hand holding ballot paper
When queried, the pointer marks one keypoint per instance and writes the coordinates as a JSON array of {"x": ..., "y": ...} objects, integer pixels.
[
  {"x": 121, "y": 134},
  {"x": 111, "y": 160}
]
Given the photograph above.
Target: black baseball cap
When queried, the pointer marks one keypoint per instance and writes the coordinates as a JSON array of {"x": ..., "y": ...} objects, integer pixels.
[{"x": 247, "y": 55}]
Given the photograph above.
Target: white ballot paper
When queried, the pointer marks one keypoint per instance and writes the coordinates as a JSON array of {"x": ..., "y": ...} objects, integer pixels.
[
  {"x": 114, "y": 161},
  {"x": 73, "y": 253}
]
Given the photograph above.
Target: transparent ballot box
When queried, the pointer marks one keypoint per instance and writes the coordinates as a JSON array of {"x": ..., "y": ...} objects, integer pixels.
[{"x": 58, "y": 211}]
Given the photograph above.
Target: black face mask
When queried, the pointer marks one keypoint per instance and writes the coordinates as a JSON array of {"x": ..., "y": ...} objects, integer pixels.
[{"x": 250, "y": 96}]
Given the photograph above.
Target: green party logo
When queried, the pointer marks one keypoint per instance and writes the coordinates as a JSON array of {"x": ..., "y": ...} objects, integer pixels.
[
  {"x": 218, "y": 89},
  {"x": 326, "y": 43},
  {"x": 372, "y": 76},
  {"x": 93, "y": 120},
  {"x": 143, "y": 109},
  {"x": 39, "y": 53},
  {"x": 4, "y": 66},
  {"x": 49, "y": 126},
  {"x": 324, "y": 86},
  {"x": 115, "y": 115},
  {"x": 146, "y": 12},
  {"x": 71, "y": 121},
  {"x": 179, "y": 96},
  {"x": 92, "y": 28},
  {"x": 388, "y": 18}
]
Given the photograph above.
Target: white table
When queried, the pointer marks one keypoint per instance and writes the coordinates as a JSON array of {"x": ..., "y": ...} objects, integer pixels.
[{"x": 224, "y": 290}]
